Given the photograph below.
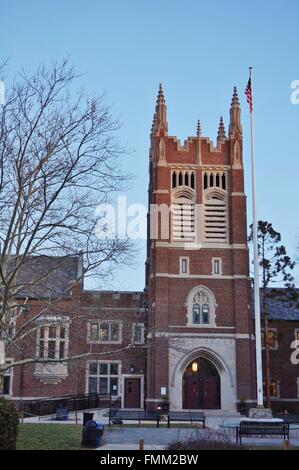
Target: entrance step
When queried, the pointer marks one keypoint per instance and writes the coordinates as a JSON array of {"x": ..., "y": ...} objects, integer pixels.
[
  {"x": 218, "y": 413},
  {"x": 221, "y": 413}
]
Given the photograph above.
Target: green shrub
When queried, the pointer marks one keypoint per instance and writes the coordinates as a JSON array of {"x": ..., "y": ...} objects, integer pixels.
[{"x": 9, "y": 421}]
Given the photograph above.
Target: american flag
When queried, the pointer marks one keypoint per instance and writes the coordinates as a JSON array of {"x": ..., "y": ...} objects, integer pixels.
[{"x": 248, "y": 93}]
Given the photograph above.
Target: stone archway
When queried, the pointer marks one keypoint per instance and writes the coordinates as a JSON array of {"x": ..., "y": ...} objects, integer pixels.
[
  {"x": 220, "y": 354},
  {"x": 201, "y": 385}
]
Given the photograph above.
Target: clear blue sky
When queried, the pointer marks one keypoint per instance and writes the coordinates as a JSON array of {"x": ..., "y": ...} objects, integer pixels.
[{"x": 199, "y": 50}]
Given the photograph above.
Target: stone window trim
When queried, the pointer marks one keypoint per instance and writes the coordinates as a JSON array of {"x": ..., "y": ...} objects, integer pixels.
[
  {"x": 9, "y": 373},
  {"x": 104, "y": 322},
  {"x": 141, "y": 325},
  {"x": 212, "y": 307},
  {"x": 216, "y": 260},
  {"x": 184, "y": 265},
  {"x": 52, "y": 321},
  {"x": 48, "y": 372},
  {"x": 98, "y": 375},
  {"x": 272, "y": 348}
]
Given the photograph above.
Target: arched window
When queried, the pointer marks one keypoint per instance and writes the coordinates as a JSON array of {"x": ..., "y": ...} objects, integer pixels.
[
  {"x": 192, "y": 181},
  {"x": 196, "y": 313},
  {"x": 186, "y": 179},
  {"x": 205, "y": 181},
  {"x": 180, "y": 179},
  {"x": 205, "y": 313},
  {"x": 223, "y": 181},
  {"x": 201, "y": 307},
  {"x": 174, "y": 179},
  {"x": 214, "y": 180},
  {"x": 201, "y": 314}
]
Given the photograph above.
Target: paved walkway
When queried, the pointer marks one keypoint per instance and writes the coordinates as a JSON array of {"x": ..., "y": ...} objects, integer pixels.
[
  {"x": 126, "y": 447},
  {"x": 128, "y": 438},
  {"x": 151, "y": 436}
]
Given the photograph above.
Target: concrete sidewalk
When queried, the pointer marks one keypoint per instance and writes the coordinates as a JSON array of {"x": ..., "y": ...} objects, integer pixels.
[
  {"x": 124, "y": 447},
  {"x": 161, "y": 437}
]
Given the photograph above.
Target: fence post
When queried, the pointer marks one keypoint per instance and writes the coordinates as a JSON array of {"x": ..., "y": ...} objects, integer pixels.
[
  {"x": 22, "y": 412},
  {"x": 76, "y": 412},
  {"x": 286, "y": 444},
  {"x": 141, "y": 444}
]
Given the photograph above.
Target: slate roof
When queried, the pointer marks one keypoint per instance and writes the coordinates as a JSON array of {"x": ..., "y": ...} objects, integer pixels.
[
  {"x": 283, "y": 310},
  {"x": 48, "y": 277}
]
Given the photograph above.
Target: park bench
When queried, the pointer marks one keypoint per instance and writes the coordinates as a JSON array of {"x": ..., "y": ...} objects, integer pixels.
[
  {"x": 119, "y": 416},
  {"x": 190, "y": 416},
  {"x": 262, "y": 428}
]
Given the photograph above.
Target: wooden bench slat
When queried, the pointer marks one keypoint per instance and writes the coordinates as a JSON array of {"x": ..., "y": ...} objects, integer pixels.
[
  {"x": 192, "y": 416},
  {"x": 137, "y": 415}
]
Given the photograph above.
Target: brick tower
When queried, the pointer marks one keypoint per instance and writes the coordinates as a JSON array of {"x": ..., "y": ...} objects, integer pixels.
[{"x": 200, "y": 348}]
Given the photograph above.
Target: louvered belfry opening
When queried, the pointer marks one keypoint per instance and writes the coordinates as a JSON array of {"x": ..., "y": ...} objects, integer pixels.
[
  {"x": 183, "y": 222},
  {"x": 215, "y": 219},
  {"x": 183, "y": 215}
]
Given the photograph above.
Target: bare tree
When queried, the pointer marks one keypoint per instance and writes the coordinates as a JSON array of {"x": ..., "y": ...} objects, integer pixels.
[{"x": 59, "y": 160}]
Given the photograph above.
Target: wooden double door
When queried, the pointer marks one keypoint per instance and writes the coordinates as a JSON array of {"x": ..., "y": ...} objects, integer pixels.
[
  {"x": 201, "y": 392},
  {"x": 201, "y": 386}
]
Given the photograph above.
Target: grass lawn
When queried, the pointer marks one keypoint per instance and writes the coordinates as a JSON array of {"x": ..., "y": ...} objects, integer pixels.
[
  {"x": 59, "y": 436},
  {"x": 49, "y": 437}
]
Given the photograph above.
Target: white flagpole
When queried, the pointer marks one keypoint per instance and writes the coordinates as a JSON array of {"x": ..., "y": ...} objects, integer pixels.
[{"x": 258, "y": 340}]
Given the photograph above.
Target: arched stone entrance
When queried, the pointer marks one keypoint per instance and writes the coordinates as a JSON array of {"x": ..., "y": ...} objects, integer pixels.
[{"x": 201, "y": 385}]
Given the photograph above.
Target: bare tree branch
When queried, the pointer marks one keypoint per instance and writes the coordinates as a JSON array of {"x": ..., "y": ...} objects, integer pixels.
[{"x": 59, "y": 160}]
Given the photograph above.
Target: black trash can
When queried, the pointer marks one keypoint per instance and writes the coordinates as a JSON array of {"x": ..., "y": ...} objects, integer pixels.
[
  {"x": 87, "y": 417},
  {"x": 92, "y": 434}
]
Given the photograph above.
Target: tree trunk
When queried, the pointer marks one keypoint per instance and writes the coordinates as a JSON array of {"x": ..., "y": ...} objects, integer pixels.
[{"x": 1, "y": 384}]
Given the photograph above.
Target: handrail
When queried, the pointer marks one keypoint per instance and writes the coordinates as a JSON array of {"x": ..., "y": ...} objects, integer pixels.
[{"x": 47, "y": 406}]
